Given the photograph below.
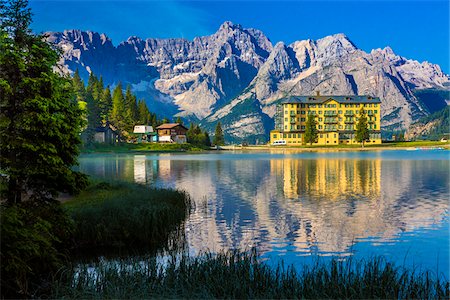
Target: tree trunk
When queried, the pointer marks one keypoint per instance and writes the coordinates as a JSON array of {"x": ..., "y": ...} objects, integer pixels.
[{"x": 14, "y": 192}]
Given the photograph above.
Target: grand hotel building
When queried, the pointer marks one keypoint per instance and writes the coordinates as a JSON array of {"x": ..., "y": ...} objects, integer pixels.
[{"x": 336, "y": 118}]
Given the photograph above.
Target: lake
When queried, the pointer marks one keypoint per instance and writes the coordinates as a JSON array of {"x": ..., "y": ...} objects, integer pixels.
[{"x": 299, "y": 206}]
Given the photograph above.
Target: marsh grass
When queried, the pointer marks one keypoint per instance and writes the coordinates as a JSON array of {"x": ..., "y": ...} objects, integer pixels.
[
  {"x": 239, "y": 275},
  {"x": 114, "y": 215}
]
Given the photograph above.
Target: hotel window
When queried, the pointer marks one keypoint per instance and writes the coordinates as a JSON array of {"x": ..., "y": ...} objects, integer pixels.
[
  {"x": 303, "y": 105},
  {"x": 298, "y": 112},
  {"x": 320, "y": 126},
  {"x": 303, "y": 127},
  {"x": 335, "y": 135},
  {"x": 320, "y": 105},
  {"x": 285, "y": 119},
  {"x": 340, "y": 112},
  {"x": 375, "y": 111},
  {"x": 321, "y": 135},
  {"x": 275, "y": 136},
  {"x": 340, "y": 126},
  {"x": 320, "y": 112},
  {"x": 374, "y": 126},
  {"x": 289, "y": 136},
  {"x": 285, "y": 127},
  {"x": 303, "y": 112},
  {"x": 303, "y": 119},
  {"x": 285, "y": 112},
  {"x": 320, "y": 119}
]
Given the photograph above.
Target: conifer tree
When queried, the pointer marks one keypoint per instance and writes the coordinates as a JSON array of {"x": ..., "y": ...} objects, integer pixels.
[
  {"x": 78, "y": 86},
  {"x": 362, "y": 131},
  {"x": 40, "y": 118},
  {"x": 105, "y": 104},
  {"x": 118, "y": 108},
  {"x": 311, "y": 132},
  {"x": 179, "y": 121},
  {"x": 218, "y": 137},
  {"x": 144, "y": 116}
]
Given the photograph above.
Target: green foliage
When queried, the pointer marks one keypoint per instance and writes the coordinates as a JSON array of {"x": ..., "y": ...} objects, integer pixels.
[
  {"x": 237, "y": 275},
  {"x": 40, "y": 119},
  {"x": 311, "y": 131},
  {"x": 196, "y": 136},
  {"x": 33, "y": 246},
  {"x": 442, "y": 123},
  {"x": 120, "y": 214},
  {"x": 362, "y": 133},
  {"x": 219, "y": 139}
]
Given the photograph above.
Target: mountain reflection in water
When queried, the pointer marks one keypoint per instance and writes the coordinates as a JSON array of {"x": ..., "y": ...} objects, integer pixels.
[{"x": 298, "y": 204}]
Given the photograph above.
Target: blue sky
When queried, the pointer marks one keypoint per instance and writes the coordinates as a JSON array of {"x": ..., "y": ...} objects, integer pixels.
[{"x": 414, "y": 29}]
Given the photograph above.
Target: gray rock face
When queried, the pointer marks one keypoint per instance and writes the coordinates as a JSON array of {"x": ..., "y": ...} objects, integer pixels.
[{"x": 235, "y": 75}]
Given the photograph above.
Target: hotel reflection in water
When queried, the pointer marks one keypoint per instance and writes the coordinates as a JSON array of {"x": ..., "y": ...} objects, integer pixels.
[
  {"x": 314, "y": 205},
  {"x": 329, "y": 178}
]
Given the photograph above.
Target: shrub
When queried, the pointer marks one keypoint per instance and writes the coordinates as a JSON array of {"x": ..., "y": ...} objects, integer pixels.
[{"x": 34, "y": 239}]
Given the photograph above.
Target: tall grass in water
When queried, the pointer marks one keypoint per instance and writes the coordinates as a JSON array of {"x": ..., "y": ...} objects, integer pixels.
[
  {"x": 125, "y": 214},
  {"x": 242, "y": 275}
]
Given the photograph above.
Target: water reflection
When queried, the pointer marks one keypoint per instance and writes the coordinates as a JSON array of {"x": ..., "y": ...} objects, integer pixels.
[{"x": 297, "y": 204}]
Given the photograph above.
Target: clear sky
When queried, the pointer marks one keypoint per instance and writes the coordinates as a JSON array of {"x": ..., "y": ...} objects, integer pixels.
[{"x": 413, "y": 29}]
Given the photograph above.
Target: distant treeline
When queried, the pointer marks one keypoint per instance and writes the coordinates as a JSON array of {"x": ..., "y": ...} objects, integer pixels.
[
  {"x": 442, "y": 125},
  {"x": 122, "y": 110}
]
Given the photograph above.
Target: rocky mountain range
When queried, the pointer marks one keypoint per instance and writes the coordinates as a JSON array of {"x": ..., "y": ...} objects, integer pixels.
[{"x": 237, "y": 76}]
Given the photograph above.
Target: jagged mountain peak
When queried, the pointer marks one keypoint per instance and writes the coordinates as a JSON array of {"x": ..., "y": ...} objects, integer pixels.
[
  {"x": 240, "y": 66},
  {"x": 227, "y": 25}
]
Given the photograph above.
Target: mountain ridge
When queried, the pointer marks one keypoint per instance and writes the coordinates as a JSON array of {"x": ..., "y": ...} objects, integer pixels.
[{"x": 200, "y": 80}]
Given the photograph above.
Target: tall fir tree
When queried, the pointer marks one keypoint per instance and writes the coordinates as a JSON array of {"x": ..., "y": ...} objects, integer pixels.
[
  {"x": 218, "y": 136},
  {"x": 130, "y": 114},
  {"x": 105, "y": 104},
  {"x": 40, "y": 119},
  {"x": 311, "y": 132},
  {"x": 118, "y": 108},
  {"x": 144, "y": 116},
  {"x": 362, "y": 133}
]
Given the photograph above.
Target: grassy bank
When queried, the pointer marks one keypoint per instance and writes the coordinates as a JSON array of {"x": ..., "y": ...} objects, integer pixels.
[
  {"x": 241, "y": 276},
  {"x": 143, "y": 147},
  {"x": 124, "y": 214}
]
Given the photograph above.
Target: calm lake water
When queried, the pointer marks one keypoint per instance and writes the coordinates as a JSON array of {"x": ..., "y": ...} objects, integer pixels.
[{"x": 301, "y": 205}]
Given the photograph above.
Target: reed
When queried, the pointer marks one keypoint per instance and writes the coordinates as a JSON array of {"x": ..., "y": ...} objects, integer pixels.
[
  {"x": 242, "y": 275},
  {"x": 124, "y": 214}
]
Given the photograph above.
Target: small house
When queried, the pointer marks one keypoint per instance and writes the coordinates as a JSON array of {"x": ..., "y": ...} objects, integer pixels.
[
  {"x": 145, "y": 133},
  {"x": 106, "y": 134},
  {"x": 172, "y": 133}
]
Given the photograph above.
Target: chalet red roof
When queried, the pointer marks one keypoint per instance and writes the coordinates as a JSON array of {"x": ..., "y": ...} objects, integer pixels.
[{"x": 170, "y": 126}]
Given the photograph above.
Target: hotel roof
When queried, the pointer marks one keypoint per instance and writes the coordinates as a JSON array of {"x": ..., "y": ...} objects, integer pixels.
[{"x": 322, "y": 99}]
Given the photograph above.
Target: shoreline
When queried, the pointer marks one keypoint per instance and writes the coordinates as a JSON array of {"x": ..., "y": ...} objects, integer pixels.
[{"x": 337, "y": 148}]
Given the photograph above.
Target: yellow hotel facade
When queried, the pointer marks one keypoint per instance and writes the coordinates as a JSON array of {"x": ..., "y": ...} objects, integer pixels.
[{"x": 336, "y": 118}]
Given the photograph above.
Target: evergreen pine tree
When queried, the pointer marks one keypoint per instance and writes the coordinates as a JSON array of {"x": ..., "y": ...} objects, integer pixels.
[
  {"x": 207, "y": 140},
  {"x": 218, "y": 137},
  {"x": 179, "y": 121},
  {"x": 105, "y": 104},
  {"x": 40, "y": 118},
  {"x": 131, "y": 110},
  {"x": 362, "y": 133},
  {"x": 311, "y": 132},
  {"x": 118, "y": 108}
]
